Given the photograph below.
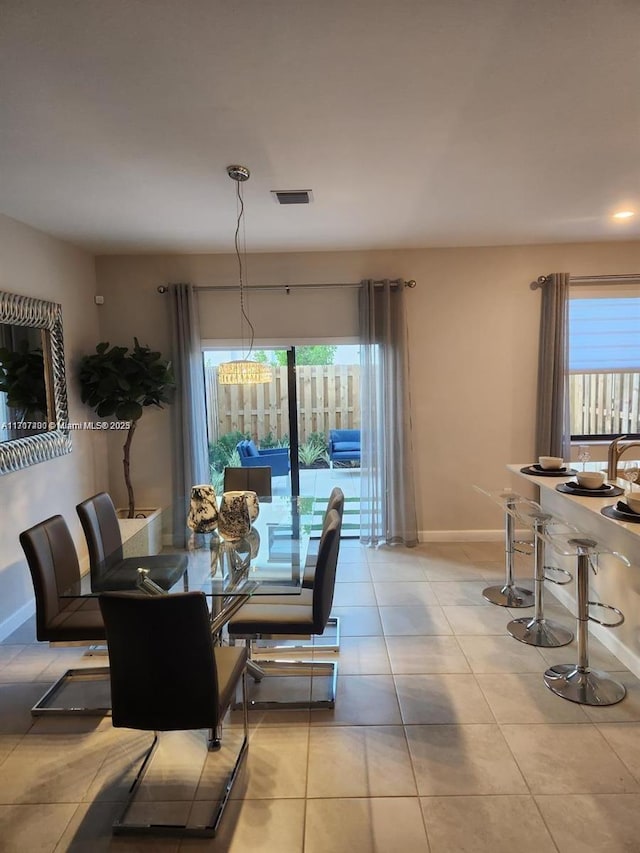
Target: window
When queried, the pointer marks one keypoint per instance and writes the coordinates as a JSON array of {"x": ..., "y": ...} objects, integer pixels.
[{"x": 604, "y": 361}]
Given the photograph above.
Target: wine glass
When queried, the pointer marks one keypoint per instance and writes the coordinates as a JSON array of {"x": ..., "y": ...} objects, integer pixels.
[
  {"x": 630, "y": 472},
  {"x": 584, "y": 455}
]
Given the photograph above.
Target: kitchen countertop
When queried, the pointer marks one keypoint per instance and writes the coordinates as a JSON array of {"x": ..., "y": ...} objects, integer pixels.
[
  {"x": 615, "y": 583},
  {"x": 594, "y": 504}
]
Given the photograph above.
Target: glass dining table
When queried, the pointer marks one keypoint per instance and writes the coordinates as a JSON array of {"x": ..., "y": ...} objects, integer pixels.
[{"x": 269, "y": 559}]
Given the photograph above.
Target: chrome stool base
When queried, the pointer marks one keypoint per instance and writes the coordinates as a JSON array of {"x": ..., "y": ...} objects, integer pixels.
[
  {"x": 508, "y": 595},
  {"x": 539, "y": 632},
  {"x": 590, "y": 687}
]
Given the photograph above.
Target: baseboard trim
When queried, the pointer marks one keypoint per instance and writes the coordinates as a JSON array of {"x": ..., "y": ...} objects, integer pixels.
[
  {"x": 16, "y": 619},
  {"x": 464, "y": 535}
]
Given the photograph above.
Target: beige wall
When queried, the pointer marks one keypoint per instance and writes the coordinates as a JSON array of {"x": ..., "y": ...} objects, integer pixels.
[
  {"x": 473, "y": 328},
  {"x": 34, "y": 264}
]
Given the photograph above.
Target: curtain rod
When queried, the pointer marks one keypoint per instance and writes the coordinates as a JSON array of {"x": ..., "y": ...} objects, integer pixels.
[
  {"x": 588, "y": 279},
  {"x": 163, "y": 288}
]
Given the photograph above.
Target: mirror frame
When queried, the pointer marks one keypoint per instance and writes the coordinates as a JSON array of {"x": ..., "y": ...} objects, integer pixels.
[{"x": 39, "y": 314}]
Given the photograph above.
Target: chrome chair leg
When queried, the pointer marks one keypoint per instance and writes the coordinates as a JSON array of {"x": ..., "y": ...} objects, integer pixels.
[
  {"x": 300, "y": 648},
  {"x": 538, "y": 631},
  {"x": 208, "y": 830},
  {"x": 509, "y": 595},
  {"x": 263, "y": 669},
  {"x": 214, "y": 741},
  {"x": 96, "y": 676},
  {"x": 255, "y": 671}
]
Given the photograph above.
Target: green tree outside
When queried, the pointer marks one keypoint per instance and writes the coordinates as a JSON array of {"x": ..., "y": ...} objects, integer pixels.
[{"x": 320, "y": 354}]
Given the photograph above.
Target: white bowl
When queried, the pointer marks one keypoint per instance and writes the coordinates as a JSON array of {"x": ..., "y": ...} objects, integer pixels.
[
  {"x": 633, "y": 502},
  {"x": 590, "y": 479},
  {"x": 550, "y": 463}
]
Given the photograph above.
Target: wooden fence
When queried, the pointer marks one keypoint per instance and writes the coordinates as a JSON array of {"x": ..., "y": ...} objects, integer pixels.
[
  {"x": 604, "y": 403},
  {"x": 328, "y": 398}
]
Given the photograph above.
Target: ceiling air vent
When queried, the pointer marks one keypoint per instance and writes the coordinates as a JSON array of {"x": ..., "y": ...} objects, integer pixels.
[{"x": 292, "y": 196}]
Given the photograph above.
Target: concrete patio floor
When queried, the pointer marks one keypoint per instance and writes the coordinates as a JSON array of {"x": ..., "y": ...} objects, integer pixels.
[{"x": 318, "y": 483}]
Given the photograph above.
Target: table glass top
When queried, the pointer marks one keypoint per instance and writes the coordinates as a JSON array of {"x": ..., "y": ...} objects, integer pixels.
[{"x": 270, "y": 558}]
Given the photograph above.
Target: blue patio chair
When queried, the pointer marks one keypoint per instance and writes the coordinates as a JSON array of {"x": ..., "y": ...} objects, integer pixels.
[
  {"x": 344, "y": 445},
  {"x": 276, "y": 457}
]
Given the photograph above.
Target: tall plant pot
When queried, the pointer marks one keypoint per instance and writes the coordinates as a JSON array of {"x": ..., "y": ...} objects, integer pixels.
[{"x": 142, "y": 534}]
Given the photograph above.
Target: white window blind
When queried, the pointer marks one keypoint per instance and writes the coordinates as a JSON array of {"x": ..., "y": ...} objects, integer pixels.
[{"x": 604, "y": 330}]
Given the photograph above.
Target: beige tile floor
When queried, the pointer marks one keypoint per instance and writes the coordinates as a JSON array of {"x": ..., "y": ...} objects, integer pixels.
[{"x": 444, "y": 738}]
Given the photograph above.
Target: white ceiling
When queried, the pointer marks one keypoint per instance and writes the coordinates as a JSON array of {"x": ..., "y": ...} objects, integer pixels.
[{"x": 416, "y": 123}]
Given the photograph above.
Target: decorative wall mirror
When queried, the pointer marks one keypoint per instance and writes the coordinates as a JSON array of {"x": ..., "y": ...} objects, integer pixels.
[{"x": 33, "y": 390}]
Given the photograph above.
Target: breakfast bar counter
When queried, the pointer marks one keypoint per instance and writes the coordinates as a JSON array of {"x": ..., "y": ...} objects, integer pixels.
[{"x": 614, "y": 583}]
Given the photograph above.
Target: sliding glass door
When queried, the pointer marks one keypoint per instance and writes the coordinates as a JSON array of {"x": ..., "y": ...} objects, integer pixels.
[
  {"x": 314, "y": 391},
  {"x": 238, "y": 412},
  {"x": 328, "y": 392}
]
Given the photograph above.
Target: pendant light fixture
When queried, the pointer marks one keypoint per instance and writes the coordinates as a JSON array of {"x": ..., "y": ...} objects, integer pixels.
[{"x": 244, "y": 371}]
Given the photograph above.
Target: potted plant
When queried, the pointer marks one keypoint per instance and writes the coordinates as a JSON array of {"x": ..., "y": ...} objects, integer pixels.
[{"x": 121, "y": 384}]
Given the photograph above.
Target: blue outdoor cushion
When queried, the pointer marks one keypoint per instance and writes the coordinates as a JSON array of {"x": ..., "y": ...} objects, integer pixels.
[
  {"x": 344, "y": 434},
  {"x": 344, "y": 446},
  {"x": 251, "y": 449}
]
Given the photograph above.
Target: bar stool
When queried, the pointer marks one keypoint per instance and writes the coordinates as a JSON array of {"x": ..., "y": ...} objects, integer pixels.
[
  {"x": 508, "y": 595},
  {"x": 577, "y": 682},
  {"x": 537, "y": 630}
]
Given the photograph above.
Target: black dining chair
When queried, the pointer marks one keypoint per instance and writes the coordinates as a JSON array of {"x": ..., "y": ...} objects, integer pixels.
[
  {"x": 167, "y": 675},
  {"x": 336, "y": 502},
  {"x": 256, "y": 479},
  {"x": 53, "y": 563},
  {"x": 110, "y": 570},
  {"x": 290, "y": 615}
]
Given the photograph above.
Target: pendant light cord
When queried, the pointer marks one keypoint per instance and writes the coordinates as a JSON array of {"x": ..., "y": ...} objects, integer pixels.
[{"x": 236, "y": 241}]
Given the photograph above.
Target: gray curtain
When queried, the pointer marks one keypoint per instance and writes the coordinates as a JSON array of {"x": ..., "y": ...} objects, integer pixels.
[
  {"x": 387, "y": 504},
  {"x": 190, "y": 448},
  {"x": 553, "y": 435}
]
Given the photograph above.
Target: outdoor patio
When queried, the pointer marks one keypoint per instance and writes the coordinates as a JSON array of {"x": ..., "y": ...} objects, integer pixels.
[{"x": 318, "y": 482}]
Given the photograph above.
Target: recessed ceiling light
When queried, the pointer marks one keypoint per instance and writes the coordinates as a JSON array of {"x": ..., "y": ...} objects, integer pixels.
[{"x": 624, "y": 214}]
